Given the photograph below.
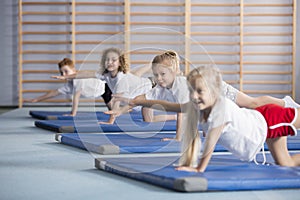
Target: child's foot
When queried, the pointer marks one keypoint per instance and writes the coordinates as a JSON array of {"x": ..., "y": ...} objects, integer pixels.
[{"x": 290, "y": 103}]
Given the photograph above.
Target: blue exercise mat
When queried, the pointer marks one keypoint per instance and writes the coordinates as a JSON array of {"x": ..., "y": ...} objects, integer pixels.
[
  {"x": 122, "y": 124},
  {"x": 59, "y": 115},
  {"x": 224, "y": 173},
  {"x": 122, "y": 143}
]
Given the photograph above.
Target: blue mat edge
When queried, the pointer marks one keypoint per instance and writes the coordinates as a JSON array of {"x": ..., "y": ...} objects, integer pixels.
[
  {"x": 103, "y": 149},
  {"x": 183, "y": 184}
]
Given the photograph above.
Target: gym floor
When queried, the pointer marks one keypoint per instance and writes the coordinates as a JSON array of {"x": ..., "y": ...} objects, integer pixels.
[{"x": 34, "y": 166}]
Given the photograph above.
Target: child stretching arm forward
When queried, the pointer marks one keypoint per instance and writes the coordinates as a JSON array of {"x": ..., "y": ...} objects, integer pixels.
[
  {"x": 241, "y": 131},
  {"x": 85, "y": 87}
]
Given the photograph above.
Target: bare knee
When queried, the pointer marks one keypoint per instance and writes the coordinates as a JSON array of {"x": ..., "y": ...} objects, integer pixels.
[
  {"x": 287, "y": 163},
  {"x": 280, "y": 153}
]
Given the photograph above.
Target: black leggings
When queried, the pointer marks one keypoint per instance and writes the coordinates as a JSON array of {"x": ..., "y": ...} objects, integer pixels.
[{"x": 107, "y": 94}]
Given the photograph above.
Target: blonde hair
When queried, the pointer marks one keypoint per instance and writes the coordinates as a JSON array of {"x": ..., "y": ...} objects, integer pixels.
[
  {"x": 211, "y": 75},
  {"x": 191, "y": 142},
  {"x": 170, "y": 56},
  {"x": 122, "y": 59}
]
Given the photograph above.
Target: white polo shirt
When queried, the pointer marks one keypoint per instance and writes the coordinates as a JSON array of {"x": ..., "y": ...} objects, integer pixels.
[
  {"x": 89, "y": 88},
  {"x": 245, "y": 131},
  {"x": 178, "y": 93},
  {"x": 128, "y": 84}
]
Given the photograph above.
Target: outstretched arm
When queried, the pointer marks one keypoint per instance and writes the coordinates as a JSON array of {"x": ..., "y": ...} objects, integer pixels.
[
  {"x": 78, "y": 75},
  {"x": 140, "y": 71},
  {"x": 159, "y": 105},
  {"x": 154, "y": 104},
  {"x": 48, "y": 95}
]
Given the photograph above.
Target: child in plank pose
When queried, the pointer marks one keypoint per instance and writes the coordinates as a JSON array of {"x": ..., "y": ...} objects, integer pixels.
[
  {"x": 172, "y": 87},
  {"x": 113, "y": 71},
  {"x": 242, "y": 131},
  {"x": 86, "y": 87}
]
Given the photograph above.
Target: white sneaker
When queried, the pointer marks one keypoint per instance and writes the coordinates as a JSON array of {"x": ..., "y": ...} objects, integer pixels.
[{"x": 290, "y": 103}]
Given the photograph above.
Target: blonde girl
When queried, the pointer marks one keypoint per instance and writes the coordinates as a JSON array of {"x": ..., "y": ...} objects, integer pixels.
[
  {"x": 170, "y": 86},
  {"x": 241, "y": 131}
]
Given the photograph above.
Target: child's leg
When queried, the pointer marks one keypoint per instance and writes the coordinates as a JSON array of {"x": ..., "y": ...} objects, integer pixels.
[
  {"x": 263, "y": 100},
  {"x": 163, "y": 118},
  {"x": 296, "y": 157},
  {"x": 243, "y": 100},
  {"x": 148, "y": 116},
  {"x": 279, "y": 151},
  {"x": 297, "y": 122}
]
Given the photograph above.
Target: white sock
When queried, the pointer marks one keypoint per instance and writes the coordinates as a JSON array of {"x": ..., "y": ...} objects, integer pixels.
[{"x": 290, "y": 103}]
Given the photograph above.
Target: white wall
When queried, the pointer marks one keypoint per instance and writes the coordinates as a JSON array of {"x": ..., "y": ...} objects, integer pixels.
[{"x": 8, "y": 52}]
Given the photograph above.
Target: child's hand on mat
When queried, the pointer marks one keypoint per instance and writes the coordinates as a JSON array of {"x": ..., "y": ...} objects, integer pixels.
[
  {"x": 108, "y": 122},
  {"x": 185, "y": 168}
]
